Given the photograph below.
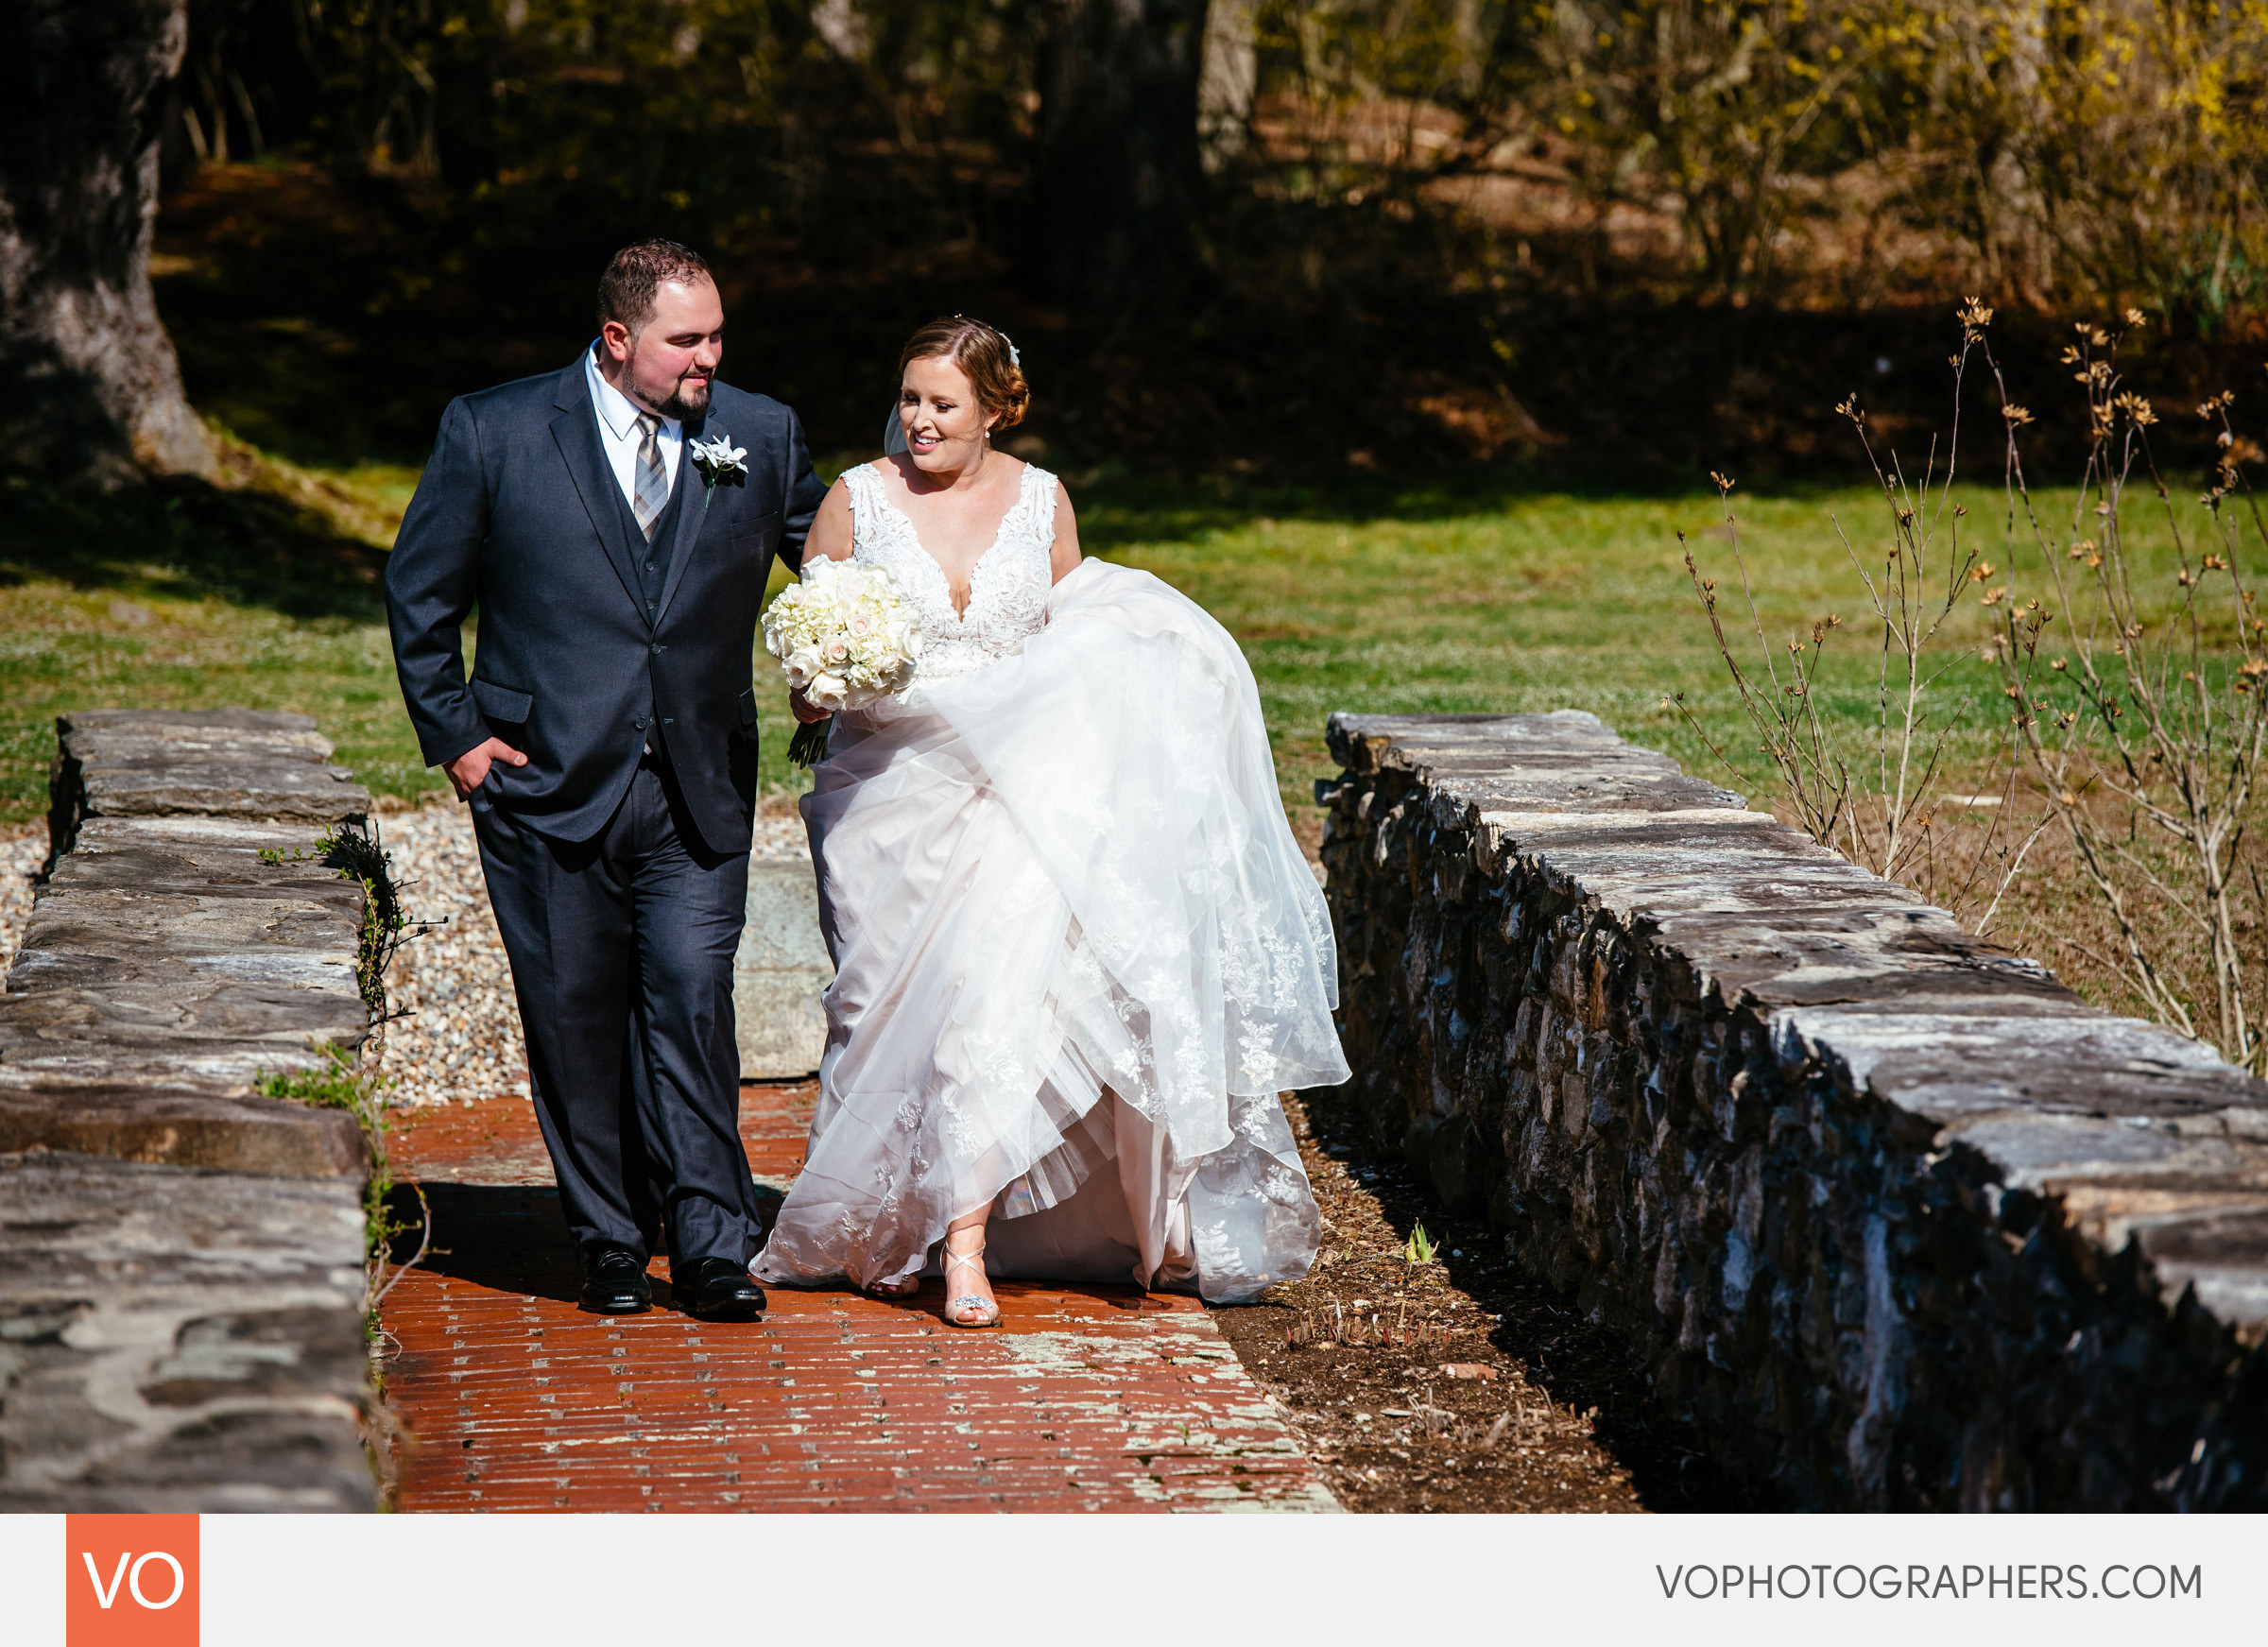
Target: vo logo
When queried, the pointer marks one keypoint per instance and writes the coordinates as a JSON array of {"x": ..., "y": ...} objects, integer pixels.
[{"x": 130, "y": 1581}]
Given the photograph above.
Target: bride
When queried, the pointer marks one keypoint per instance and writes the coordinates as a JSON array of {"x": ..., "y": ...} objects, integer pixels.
[{"x": 1077, "y": 950}]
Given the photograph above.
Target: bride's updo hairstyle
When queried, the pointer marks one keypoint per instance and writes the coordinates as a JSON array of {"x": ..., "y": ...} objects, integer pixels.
[{"x": 986, "y": 355}]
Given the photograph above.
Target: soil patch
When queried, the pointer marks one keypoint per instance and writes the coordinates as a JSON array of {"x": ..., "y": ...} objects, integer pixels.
[{"x": 1448, "y": 1386}]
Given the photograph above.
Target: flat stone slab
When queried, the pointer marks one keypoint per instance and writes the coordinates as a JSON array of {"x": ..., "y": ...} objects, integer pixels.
[
  {"x": 70, "y": 1037},
  {"x": 168, "y": 952},
  {"x": 176, "y": 729},
  {"x": 184, "y": 1128},
  {"x": 317, "y": 794},
  {"x": 179, "y": 1341},
  {"x": 233, "y": 763}
]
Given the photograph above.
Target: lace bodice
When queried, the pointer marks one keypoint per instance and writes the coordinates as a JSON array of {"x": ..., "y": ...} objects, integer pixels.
[{"x": 1008, "y": 588}]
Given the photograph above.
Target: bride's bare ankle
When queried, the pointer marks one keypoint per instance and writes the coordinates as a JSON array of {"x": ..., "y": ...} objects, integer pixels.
[{"x": 970, "y": 1300}]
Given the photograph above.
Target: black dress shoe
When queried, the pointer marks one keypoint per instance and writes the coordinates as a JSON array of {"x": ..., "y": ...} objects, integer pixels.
[
  {"x": 615, "y": 1283},
  {"x": 716, "y": 1288}
]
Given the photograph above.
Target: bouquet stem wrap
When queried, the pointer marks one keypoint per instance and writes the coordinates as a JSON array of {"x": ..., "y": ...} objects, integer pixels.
[{"x": 808, "y": 748}]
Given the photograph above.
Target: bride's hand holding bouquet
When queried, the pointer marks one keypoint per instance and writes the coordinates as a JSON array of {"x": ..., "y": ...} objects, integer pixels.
[{"x": 844, "y": 637}]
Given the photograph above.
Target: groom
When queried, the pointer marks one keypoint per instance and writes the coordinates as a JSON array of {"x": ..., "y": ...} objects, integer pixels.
[{"x": 614, "y": 521}]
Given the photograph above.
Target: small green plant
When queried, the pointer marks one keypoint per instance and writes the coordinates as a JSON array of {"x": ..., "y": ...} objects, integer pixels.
[
  {"x": 355, "y": 854},
  {"x": 342, "y": 1083},
  {"x": 355, "y": 851},
  {"x": 1420, "y": 1250}
]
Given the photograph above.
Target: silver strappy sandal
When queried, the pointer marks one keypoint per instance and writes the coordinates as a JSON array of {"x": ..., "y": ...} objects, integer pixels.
[{"x": 954, "y": 1307}]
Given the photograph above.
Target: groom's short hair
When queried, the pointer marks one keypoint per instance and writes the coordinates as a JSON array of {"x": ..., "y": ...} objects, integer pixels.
[{"x": 625, "y": 291}]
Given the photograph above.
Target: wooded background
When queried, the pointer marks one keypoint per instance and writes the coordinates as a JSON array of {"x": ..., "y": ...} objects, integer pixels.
[{"x": 1249, "y": 236}]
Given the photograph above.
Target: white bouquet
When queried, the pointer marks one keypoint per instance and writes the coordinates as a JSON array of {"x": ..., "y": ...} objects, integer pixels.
[{"x": 845, "y": 637}]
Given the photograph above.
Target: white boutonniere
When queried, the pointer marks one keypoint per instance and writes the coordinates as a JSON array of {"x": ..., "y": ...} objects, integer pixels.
[{"x": 719, "y": 459}]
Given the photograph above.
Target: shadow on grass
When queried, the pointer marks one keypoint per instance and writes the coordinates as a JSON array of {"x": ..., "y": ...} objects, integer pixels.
[{"x": 189, "y": 540}]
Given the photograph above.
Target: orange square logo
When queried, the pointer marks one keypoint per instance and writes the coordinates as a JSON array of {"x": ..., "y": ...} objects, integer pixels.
[{"x": 130, "y": 1581}]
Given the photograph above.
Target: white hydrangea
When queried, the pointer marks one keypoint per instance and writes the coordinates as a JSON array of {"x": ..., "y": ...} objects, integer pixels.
[{"x": 844, "y": 635}]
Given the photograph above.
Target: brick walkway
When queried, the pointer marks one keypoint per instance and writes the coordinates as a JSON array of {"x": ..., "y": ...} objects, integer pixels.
[{"x": 1092, "y": 1399}]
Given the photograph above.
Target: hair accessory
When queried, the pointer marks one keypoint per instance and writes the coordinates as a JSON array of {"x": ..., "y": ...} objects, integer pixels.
[{"x": 1014, "y": 358}]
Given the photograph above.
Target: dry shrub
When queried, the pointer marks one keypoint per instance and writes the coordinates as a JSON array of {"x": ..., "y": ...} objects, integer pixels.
[
  {"x": 2140, "y": 697},
  {"x": 2134, "y": 689},
  {"x": 1876, "y": 790}
]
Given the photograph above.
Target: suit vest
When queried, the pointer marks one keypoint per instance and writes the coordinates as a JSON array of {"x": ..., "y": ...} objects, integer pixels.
[{"x": 653, "y": 559}]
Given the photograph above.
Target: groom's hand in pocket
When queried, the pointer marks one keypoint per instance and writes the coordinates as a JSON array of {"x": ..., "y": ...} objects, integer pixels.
[{"x": 469, "y": 770}]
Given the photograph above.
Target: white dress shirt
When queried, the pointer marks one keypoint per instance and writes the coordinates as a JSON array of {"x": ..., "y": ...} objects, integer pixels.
[{"x": 618, "y": 431}]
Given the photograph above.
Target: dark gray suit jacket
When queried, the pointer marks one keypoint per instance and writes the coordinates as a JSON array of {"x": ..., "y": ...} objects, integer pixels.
[{"x": 519, "y": 513}]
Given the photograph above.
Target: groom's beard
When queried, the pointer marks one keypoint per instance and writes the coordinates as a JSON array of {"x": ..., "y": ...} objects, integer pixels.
[{"x": 688, "y": 401}]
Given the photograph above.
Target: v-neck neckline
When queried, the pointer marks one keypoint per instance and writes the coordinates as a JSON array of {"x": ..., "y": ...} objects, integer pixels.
[{"x": 960, "y": 613}]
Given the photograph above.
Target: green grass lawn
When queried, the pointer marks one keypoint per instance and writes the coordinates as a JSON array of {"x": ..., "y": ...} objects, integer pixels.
[
  {"x": 267, "y": 594},
  {"x": 1530, "y": 600}
]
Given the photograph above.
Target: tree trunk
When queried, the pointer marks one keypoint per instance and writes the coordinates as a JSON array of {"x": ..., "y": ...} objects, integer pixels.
[
  {"x": 1230, "y": 78},
  {"x": 89, "y": 385},
  {"x": 1118, "y": 176}
]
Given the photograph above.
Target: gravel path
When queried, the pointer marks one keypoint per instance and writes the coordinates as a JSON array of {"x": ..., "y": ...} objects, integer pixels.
[
  {"x": 459, "y": 1041},
  {"x": 462, "y": 1041},
  {"x": 23, "y": 850}
]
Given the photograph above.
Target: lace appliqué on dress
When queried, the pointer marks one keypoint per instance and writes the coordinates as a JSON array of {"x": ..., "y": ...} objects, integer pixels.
[{"x": 1007, "y": 588}]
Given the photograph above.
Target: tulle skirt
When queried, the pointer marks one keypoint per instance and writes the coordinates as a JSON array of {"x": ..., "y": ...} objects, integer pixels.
[{"x": 1078, "y": 954}]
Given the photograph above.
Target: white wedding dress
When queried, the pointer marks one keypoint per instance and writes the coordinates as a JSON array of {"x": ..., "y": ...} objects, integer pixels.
[{"x": 1077, "y": 951}]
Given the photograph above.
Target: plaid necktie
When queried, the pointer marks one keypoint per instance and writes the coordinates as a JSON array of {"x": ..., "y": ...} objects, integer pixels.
[{"x": 653, "y": 480}]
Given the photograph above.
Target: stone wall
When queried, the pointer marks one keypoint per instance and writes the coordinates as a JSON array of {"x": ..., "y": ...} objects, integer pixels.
[
  {"x": 181, "y": 1260},
  {"x": 1891, "y": 1219}
]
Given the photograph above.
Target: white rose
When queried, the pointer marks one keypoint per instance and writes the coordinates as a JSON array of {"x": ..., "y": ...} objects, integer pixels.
[
  {"x": 802, "y": 666},
  {"x": 829, "y": 692}
]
